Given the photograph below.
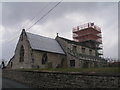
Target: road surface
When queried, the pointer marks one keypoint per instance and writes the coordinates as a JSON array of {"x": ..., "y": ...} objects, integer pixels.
[{"x": 7, "y": 83}]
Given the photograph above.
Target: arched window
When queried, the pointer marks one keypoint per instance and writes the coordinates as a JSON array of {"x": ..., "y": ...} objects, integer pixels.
[
  {"x": 22, "y": 54},
  {"x": 44, "y": 58}
]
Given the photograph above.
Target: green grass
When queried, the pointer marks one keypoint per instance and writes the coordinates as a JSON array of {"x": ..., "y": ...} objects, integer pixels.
[{"x": 104, "y": 70}]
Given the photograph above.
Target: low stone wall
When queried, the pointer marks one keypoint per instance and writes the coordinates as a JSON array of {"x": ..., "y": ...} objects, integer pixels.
[{"x": 36, "y": 79}]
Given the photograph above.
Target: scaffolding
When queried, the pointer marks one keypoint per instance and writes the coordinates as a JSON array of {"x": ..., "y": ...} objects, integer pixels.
[{"x": 89, "y": 34}]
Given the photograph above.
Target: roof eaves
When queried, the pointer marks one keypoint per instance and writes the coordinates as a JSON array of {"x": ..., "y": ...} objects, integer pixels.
[{"x": 49, "y": 51}]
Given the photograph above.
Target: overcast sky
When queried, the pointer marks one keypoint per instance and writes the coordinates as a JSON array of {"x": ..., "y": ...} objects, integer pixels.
[{"x": 61, "y": 20}]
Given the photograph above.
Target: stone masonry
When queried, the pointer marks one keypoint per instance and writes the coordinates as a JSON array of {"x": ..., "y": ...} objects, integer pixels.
[{"x": 37, "y": 79}]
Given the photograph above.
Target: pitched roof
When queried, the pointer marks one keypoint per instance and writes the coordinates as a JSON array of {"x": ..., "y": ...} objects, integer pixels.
[
  {"x": 38, "y": 42},
  {"x": 77, "y": 43}
]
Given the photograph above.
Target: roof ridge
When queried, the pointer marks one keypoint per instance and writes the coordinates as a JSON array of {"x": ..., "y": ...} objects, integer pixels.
[
  {"x": 68, "y": 39},
  {"x": 74, "y": 42},
  {"x": 39, "y": 35}
]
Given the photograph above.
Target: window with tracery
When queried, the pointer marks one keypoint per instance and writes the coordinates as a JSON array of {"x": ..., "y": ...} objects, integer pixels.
[
  {"x": 22, "y": 54},
  {"x": 44, "y": 58}
]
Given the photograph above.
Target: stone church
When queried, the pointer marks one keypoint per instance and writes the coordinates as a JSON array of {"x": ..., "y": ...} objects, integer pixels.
[{"x": 35, "y": 51}]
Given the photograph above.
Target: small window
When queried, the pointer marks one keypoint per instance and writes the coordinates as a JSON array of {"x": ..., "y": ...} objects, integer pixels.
[
  {"x": 72, "y": 63},
  {"x": 85, "y": 64},
  {"x": 44, "y": 58},
  {"x": 83, "y": 50},
  {"x": 74, "y": 48},
  {"x": 62, "y": 62},
  {"x": 90, "y": 52},
  {"x": 22, "y": 54},
  {"x": 32, "y": 60}
]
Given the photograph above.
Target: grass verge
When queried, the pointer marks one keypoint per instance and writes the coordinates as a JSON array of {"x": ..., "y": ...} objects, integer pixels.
[{"x": 103, "y": 70}]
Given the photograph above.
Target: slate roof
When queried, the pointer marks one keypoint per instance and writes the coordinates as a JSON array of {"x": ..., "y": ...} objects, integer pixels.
[
  {"x": 42, "y": 43},
  {"x": 77, "y": 43}
]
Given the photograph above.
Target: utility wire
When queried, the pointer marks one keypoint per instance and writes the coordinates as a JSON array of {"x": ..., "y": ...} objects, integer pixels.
[
  {"x": 11, "y": 39},
  {"x": 17, "y": 32},
  {"x": 45, "y": 15},
  {"x": 37, "y": 14},
  {"x": 36, "y": 21}
]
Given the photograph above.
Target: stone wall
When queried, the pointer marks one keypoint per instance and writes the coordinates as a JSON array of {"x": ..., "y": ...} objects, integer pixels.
[
  {"x": 81, "y": 60},
  {"x": 16, "y": 64},
  {"x": 65, "y": 45},
  {"x": 37, "y": 79},
  {"x": 33, "y": 58},
  {"x": 53, "y": 58}
]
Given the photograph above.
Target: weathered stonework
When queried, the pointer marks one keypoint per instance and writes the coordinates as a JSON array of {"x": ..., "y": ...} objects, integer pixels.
[
  {"x": 73, "y": 55},
  {"x": 85, "y": 59},
  {"x": 53, "y": 59},
  {"x": 16, "y": 64},
  {"x": 37, "y": 79},
  {"x": 33, "y": 58}
]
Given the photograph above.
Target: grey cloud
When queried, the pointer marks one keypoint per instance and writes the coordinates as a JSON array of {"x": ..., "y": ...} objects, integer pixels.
[
  {"x": 18, "y": 12},
  {"x": 104, "y": 14}
]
